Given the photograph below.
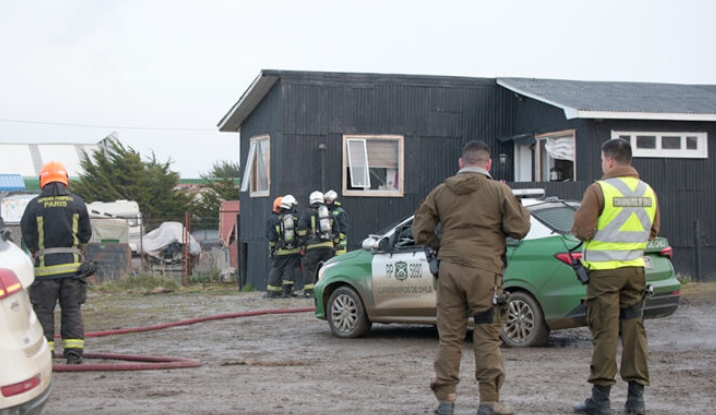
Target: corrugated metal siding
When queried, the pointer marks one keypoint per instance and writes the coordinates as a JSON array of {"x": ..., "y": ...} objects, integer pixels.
[
  {"x": 436, "y": 120},
  {"x": 685, "y": 187},
  {"x": 437, "y": 116}
]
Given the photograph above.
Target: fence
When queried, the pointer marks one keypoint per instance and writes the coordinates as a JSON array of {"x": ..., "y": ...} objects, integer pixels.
[{"x": 185, "y": 248}]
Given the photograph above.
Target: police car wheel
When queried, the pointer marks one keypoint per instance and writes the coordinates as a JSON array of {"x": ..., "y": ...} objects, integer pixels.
[
  {"x": 525, "y": 326},
  {"x": 347, "y": 317}
]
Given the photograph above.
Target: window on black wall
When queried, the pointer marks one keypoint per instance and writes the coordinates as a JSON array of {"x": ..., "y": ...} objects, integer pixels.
[
  {"x": 373, "y": 165},
  {"x": 257, "y": 176}
]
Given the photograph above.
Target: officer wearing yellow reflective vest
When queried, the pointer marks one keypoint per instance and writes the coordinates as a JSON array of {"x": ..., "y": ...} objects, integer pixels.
[
  {"x": 56, "y": 229},
  {"x": 618, "y": 216}
]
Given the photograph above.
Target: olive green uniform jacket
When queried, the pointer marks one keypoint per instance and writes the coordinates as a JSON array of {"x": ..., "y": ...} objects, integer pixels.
[{"x": 475, "y": 213}]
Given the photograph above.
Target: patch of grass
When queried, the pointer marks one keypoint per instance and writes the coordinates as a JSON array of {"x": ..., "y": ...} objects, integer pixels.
[
  {"x": 698, "y": 291},
  {"x": 134, "y": 283}
]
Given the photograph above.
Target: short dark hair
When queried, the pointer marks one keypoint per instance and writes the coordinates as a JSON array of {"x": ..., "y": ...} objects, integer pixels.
[
  {"x": 617, "y": 149},
  {"x": 475, "y": 152}
]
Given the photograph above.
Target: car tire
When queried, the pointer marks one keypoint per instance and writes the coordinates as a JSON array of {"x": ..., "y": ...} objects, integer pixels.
[
  {"x": 525, "y": 326},
  {"x": 346, "y": 314}
]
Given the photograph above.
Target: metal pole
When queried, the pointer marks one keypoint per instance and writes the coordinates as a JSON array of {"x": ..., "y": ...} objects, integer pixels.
[
  {"x": 697, "y": 249},
  {"x": 322, "y": 147}
]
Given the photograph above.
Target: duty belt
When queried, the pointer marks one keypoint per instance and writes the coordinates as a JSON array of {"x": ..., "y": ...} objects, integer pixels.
[{"x": 49, "y": 251}]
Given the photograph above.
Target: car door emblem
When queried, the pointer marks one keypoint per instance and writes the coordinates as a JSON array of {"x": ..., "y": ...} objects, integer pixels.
[{"x": 401, "y": 271}]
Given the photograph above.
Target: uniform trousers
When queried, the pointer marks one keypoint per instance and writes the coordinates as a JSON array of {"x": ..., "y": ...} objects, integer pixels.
[
  {"x": 283, "y": 271},
  {"x": 71, "y": 293},
  {"x": 614, "y": 309},
  {"x": 310, "y": 260},
  {"x": 465, "y": 292}
]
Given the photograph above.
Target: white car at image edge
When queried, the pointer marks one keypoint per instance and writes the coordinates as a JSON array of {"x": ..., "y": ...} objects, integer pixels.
[{"x": 25, "y": 357}]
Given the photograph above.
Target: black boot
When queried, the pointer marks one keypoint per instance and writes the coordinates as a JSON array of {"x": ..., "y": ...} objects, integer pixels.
[
  {"x": 597, "y": 404},
  {"x": 74, "y": 356},
  {"x": 635, "y": 399},
  {"x": 287, "y": 291}
]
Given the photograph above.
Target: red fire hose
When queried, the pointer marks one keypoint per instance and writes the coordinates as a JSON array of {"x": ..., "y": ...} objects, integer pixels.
[{"x": 155, "y": 362}]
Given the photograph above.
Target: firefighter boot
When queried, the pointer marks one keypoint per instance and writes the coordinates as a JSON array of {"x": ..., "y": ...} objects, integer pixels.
[
  {"x": 493, "y": 408},
  {"x": 287, "y": 291},
  {"x": 74, "y": 356},
  {"x": 272, "y": 294},
  {"x": 597, "y": 404},
  {"x": 635, "y": 399},
  {"x": 445, "y": 408}
]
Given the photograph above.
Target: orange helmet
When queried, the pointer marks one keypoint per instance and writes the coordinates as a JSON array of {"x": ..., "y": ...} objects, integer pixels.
[
  {"x": 53, "y": 171},
  {"x": 277, "y": 203}
]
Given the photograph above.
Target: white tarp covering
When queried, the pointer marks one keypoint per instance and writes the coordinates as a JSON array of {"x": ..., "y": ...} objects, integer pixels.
[
  {"x": 12, "y": 207},
  {"x": 106, "y": 230},
  {"x": 167, "y": 233}
]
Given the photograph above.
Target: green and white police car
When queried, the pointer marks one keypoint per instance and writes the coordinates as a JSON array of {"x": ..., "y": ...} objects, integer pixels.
[{"x": 389, "y": 281}]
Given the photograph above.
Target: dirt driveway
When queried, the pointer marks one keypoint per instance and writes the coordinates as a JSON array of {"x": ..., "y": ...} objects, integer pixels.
[{"x": 291, "y": 364}]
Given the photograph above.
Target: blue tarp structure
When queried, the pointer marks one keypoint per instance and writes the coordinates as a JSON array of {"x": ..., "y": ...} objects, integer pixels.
[{"x": 11, "y": 183}]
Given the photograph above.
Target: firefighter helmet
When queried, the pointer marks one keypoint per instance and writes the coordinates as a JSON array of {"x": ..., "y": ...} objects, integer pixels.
[
  {"x": 330, "y": 196},
  {"x": 288, "y": 202},
  {"x": 315, "y": 198},
  {"x": 277, "y": 203},
  {"x": 53, "y": 171}
]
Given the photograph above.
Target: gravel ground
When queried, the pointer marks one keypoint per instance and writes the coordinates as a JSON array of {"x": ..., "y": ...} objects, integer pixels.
[{"x": 291, "y": 364}]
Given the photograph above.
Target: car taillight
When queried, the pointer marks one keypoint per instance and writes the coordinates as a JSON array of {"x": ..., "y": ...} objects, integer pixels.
[
  {"x": 567, "y": 259},
  {"x": 9, "y": 284},
  {"x": 18, "y": 388},
  {"x": 667, "y": 252}
]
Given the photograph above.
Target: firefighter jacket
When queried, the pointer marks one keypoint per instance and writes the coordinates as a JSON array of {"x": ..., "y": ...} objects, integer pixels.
[
  {"x": 475, "y": 213},
  {"x": 341, "y": 217},
  {"x": 619, "y": 214},
  {"x": 279, "y": 236},
  {"x": 309, "y": 233},
  {"x": 56, "y": 228}
]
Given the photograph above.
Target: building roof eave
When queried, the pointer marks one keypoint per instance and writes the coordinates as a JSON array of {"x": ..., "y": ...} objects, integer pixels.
[
  {"x": 572, "y": 113},
  {"x": 250, "y": 99}
]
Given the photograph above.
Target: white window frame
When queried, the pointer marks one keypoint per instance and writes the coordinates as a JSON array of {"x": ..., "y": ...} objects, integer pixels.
[
  {"x": 543, "y": 162},
  {"x": 701, "y": 151},
  {"x": 356, "y": 150},
  {"x": 259, "y": 146}
]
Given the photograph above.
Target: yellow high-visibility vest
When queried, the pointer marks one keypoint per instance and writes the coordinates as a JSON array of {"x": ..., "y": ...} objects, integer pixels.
[{"x": 624, "y": 226}]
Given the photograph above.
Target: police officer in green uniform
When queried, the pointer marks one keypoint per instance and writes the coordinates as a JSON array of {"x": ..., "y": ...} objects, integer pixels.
[
  {"x": 618, "y": 216},
  {"x": 476, "y": 215},
  {"x": 56, "y": 228}
]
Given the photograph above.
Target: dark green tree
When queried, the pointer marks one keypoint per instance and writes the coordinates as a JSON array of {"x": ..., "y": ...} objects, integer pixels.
[
  {"x": 221, "y": 185},
  {"x": 118, "y": 172}
]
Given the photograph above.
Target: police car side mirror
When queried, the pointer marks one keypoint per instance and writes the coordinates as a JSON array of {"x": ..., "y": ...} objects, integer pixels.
[
  {"x": 386, "y": 244},
  {"x": 370, "y": 243}
]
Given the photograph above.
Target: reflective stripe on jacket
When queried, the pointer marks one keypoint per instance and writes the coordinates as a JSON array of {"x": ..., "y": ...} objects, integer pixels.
[{"x": 624, "y": 226}]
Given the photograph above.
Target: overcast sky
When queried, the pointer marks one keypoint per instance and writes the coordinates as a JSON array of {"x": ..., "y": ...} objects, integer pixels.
[{"x": 162, "y": 73}]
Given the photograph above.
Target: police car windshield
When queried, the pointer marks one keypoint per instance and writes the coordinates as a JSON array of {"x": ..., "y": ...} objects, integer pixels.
[
  {"x": 558, "y": 216},
  {"x": 391, "y": 226}
]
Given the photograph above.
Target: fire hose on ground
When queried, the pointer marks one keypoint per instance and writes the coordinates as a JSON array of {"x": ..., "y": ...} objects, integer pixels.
[{"x": 155, "y": 362}]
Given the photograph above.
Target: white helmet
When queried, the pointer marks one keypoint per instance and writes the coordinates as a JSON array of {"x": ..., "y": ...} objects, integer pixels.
[
  {"x": 330, "y": 196},
  {"x": 288, "y": 202},
  {"x": 315, "y": 197}
]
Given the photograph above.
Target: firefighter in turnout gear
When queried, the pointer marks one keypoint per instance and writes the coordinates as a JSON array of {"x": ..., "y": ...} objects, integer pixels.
[
  {"x": 340, "y": 216},
  {"x": 273, "y": 290},
  {"x": 287, "y": 251},
  {"x": 318, "y": 233},
  {"x": 56, "y": 229},
  {"x": 618, "y": 216}
]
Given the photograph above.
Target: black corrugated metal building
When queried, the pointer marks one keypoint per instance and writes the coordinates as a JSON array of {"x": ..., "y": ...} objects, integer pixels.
[{"x": 384, "y": 141}]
